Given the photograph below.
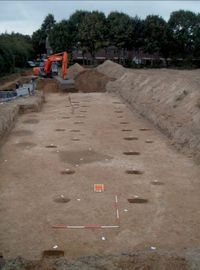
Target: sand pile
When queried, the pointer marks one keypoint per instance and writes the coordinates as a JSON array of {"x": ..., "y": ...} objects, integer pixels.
[
  {"x": 74, "y": 70},
  {"x": 170, "y": 99},
  {"x": 91, "y": 81},
  {"x": 111, "y": 69}
]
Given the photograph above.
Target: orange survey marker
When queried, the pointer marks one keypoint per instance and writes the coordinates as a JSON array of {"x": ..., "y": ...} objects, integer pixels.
[{"x": 98, "y": 187}]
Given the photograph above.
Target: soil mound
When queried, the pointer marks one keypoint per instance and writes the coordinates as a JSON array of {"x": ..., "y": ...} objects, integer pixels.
[
  {"x": 91, "y": 81},
  {"x": 48, "y": 85},
  {"x": 170, "y": 99},
  {"x": 74, "y": 70},
  {"x": 111, "y": 69}
]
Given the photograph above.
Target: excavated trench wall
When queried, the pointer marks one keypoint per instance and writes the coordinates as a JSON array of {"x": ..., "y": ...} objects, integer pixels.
[
  {"x": 10, "y": 110},
  {"x": 8, "y": 115},
  {"x": 169, "y": 99}
]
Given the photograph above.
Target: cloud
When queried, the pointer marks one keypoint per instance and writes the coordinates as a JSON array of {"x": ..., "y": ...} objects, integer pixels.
[{"x": 27, "y": 16}]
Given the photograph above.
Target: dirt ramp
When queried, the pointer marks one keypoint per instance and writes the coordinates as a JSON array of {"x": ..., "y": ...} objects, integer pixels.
[
  {"x": 74, "y": 70},
  {"x": 91, "y": 81},
  {"x": 169, "y": 100},
  {"x": 111, "y": 69}
]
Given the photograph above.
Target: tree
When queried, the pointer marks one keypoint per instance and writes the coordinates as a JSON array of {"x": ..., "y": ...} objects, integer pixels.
[
  {"x": 196, "y": 37},
  {"x": 138, "y": 33},
  {"x": 92, "y": 31},
  {"x": 75, "y": 21},
  {"x": 121, "y": 33},
  {"x": 155, "y": 33},
  {"x": 182, "y": 27},
  {"x": 48, "y": 24},
  {"x": 60, "y": 37},
  {"x": 38, "y": 40},
  {"x": 39, "y": 36}
]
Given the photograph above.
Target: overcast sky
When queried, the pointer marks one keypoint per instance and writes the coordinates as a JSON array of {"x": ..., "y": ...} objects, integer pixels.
[{"x": 27, "y": 16}]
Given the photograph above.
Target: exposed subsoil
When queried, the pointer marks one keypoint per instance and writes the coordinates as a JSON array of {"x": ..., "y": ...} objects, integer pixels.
[
  {"x": 168, "y": 98},
  {"x": 32, "y": 179}
]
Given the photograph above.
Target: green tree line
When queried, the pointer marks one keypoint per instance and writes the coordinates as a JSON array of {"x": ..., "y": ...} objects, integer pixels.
[{"x": 179, "y": 37}]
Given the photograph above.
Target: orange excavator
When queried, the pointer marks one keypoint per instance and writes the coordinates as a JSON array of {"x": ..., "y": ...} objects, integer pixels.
[{"x": 46, "y": 70}]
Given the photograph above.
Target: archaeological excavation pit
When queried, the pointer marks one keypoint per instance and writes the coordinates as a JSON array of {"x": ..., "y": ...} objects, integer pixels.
[
  {"x": 157, "y": 183},
  {"x": 145, "y": 129},
  {"x": 131, "y": 153},
  {"x": 137, "y": 200},
  {"x": 124, "y": 130},
  {"x": 75, "y": 139},
  {"x": 124, "y": 123},
  {"x": 68, "y": 171},
  {"x": 149, "y": 141},
  {"x": 60, "y": 185},
  {"x": 133, "y": 171},
  {"x": 75, "y": 130},
  {"x": 78, "y": 122},
  {"x": 117, "y": 102},
  {"x": 31, "y": 121},
  {"x": 52, "y": 253},
  {"x": 61, "y": 199},
  {"x": 60, "y": 129},
  {"x": 131, "y": 138},
  {"x": 51, "y": 146}
]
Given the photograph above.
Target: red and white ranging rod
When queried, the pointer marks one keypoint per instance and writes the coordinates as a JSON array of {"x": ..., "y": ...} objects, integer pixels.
[
  {"x": 63, "y": 226},
  {"x": 116, "y": 206}
]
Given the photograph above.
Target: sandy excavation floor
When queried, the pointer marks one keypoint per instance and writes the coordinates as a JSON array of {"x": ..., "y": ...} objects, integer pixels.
[{"x": 90, "y": 139}]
